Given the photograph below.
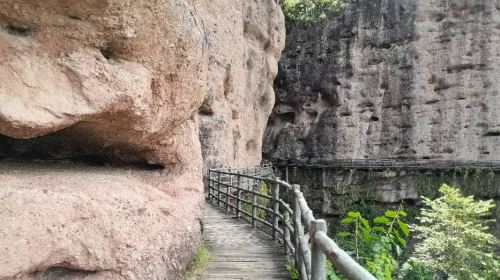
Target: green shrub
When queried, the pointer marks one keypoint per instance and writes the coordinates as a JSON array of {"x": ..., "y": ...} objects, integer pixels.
[
  {"x": 413, "y": 269},
  {"x": 375, "y": 246},
  {"x": 311, "y": 11},
  {"x": 453, "y": 236}
]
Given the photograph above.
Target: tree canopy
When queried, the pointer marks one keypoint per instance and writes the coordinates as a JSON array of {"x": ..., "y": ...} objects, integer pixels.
[{"x": 312, "y": 11}]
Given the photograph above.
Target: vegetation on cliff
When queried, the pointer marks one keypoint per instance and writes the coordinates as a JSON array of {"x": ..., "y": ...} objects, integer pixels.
[{"x": 312, "y": 11}]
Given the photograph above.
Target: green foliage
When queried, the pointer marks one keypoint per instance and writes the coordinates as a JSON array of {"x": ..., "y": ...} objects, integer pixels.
[
  {"x": 375, "y": 245},
  {"x": 199, "y": 264},
  {"x": 263, "y": 189},
  {"x": 454, "y": 238},
  {"x": 247, "y": 207},
  {"x": 294, "y": 274},
  {"x": 312, "y": 11},
  {"x": 330, "y": 272},
  {"x": 413, "y": 269}
]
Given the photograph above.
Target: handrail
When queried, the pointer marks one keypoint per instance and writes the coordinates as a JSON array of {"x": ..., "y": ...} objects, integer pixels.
[
  {"x": 374, "y": 164},
  {"x": 309, "y": 246}
]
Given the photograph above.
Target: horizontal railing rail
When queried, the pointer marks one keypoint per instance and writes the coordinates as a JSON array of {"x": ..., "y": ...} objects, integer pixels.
[
  {"x": 304, "y": 237},
  {"x": 377, "y": 164}
]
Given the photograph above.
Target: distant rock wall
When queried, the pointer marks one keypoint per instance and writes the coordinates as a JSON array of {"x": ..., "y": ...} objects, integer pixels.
[
  {"x": 405, "y": 79},
  {"x": 332, "y": 191},
  {"x": 134, "y": 82}
]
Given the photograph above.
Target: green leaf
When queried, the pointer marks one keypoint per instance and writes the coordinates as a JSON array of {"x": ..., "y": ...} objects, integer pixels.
[
  {"x": 365, "y": 223},
  {"x": 344, "y": 234},
  {"x": 381, "y": 220},
  {"x": 346, "y": 221},
  {"x": 404, "y": 228},
  {"x": 353, "y": 214},
  {"x": 402, "y": 241},
  {"x": 366, "y": 235},
  {"x": 378, "y": 229},
  {"x": 391, "y": 214},
  {"x": 402, "y": 213}
]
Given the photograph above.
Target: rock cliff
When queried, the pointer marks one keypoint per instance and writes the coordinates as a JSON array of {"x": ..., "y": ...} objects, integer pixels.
[
  {"x": 405, "y": 79},
  {"x": 135, "y": 82}
]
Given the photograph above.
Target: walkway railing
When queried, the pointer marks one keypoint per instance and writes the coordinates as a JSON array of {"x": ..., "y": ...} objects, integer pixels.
[
  {"x": 378, "y": 164},
  {"x": 303, "y": 236}
]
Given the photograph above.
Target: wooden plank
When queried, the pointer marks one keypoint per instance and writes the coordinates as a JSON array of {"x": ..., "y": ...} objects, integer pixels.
[{"x": 240, "y": 252}]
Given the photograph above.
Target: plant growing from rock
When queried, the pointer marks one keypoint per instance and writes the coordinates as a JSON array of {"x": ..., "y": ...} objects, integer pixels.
[
  {"x": 312, "y": 11},
  {"x": 454, "y": 238}
]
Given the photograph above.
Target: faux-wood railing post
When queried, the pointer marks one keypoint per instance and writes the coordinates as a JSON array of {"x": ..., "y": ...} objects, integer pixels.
[
  {"x": 318, "y": 263},
  {"x": 228, "y": 191},
  {"x": 286, "y": 233},
  {"x": 254, "y": 209},
  {"x": 238, "y": 196},
  {"x": 276, "y": 195},
  {"x": 219, "y": 194},
  {"x": 209, "y": 184},
  {"x": 299, "y": 232}
]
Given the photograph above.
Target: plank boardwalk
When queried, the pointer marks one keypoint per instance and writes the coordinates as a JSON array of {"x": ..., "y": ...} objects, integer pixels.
[{"x": 239, "y": 251}]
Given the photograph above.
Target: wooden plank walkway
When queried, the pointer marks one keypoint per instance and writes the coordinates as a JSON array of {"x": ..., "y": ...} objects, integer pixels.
[{"x": 239, "y": 251}]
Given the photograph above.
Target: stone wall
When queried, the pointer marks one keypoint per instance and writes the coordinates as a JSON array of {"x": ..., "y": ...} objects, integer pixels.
[
  {"x": 333, "y": 191},
  {"x": 391, "y": 79}
]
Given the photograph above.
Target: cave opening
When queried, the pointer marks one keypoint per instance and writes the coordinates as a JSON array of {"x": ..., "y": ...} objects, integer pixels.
[{"x": 63, "y": 147}]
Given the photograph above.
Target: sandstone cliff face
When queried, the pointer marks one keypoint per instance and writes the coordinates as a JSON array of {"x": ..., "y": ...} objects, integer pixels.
[
  {"x": 391, "y": 79},
  {"x": 125, "y": 80},
  {"x": 240, "y": 93}
]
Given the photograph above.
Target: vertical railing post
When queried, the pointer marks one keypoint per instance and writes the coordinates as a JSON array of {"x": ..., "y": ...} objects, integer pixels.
[
  {"x": 219, "y": 194},
  {"x": 254, "y": 208},
  {"x": 286, "y": 232},
  {"x": 299, "y": 232},
  {"x": 209, "y": 181},
  {"x": 318, "y": 263},
  {"x": 228, "y": 191},
  {"x": 238, "y": 196},
  {"x": 276, "y": 196}
]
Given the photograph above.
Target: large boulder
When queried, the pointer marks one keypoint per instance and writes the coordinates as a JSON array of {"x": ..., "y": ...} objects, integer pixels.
[
  {"x": 71, "y": 221},
  {"x": 133, "y": 82}
]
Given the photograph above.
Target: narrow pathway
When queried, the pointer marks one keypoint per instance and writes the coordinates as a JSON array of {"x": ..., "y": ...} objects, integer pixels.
[{"x": 240, "y": 252}]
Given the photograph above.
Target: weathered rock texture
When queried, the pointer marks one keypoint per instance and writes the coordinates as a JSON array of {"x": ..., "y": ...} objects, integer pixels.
[
  {"x": 240, "y": 93},
  {"x": 124, "y": 81},
  {"x": 71, "y": 221},
  {"x": 391, "y": 79}
]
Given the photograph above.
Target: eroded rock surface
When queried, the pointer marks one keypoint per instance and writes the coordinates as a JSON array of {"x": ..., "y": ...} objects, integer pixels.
[
  {"x": 72, "y": 221},
  {"x": 398, "y": 79},
  {"x": 134, "y": 82},
  {"x": 240, "y": 95}
]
